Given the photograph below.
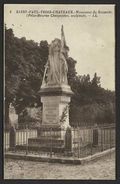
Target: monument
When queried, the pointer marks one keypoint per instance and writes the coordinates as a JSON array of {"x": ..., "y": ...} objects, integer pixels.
[
  {"x": 55, "y": 91},
  {"x": 55, "y": 97}
]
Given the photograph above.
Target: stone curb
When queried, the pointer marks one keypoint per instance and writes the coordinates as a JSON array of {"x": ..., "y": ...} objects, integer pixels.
[
  {"x": 59, "y": 160},
  {"x": 97, "y": 156}
]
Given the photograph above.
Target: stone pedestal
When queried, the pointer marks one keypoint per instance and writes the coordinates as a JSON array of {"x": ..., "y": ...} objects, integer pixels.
[
  {"x": 55, "y": 101},
  {"x": 55, "y": 118}
]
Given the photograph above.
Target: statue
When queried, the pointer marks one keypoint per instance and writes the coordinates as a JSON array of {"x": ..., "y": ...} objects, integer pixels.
[{"x": 56, "y": 68}]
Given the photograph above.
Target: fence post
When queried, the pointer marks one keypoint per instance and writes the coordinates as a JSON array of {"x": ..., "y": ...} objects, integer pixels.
[
  {"x": 91, "y": 140},
  {"x": 95, "y": 136},
  {"x": 78, "y": 137},
  {"x": 84, "y": 142},
  {"x": 110, "y": 138},
  {"x": 104, "y": 146},
  {"x": 51, "y": 142},
  {"x": 26, "y": 139},
  {"x": 12, "y": 138},
  {"x": 101, "y": 140},
  {"x": 68, "y": 141},
  {"x": 5, "y": 142},
  {"x": 110, "y": 142}
]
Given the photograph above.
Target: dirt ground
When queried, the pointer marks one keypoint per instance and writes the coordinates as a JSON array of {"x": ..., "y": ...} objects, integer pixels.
[{"x": 101, "y": 169}]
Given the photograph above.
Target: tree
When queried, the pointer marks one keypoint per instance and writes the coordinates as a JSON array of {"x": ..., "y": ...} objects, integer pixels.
[
  {"x": 95, "y": 81},
  {"x": 12, "y": 68},
  {"x": 24, "y": 67},
  {"x": 71, "y": 71},
  {"x": 88, "y": 99},
  {"x": 35, "y": 58}
]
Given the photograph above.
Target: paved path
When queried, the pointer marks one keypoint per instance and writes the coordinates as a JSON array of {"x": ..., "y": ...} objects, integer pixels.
[{"x": 101, "y": 169}]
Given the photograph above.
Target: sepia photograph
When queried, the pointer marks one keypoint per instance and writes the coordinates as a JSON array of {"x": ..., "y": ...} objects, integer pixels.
[{"x": 59, "y": 92}]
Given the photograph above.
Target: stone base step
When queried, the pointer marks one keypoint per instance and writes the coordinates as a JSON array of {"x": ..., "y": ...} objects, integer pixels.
[
  {"x": 45, "y": 141},
  {"x": 51, "y": 131},
  {"x": 45, "y": 148}
]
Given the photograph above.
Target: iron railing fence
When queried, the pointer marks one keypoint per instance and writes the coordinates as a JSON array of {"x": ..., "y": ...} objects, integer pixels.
[
  {"x": 21, "y": 136},
  {"x": 55, "y": 141}
]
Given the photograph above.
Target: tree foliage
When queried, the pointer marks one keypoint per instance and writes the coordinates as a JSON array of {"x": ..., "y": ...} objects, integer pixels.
[
  {"x": 91, "y": 103},
  {"x": 24, "y": 67}
]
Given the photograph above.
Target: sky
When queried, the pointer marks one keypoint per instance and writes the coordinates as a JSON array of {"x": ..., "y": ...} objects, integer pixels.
[{"x": 91, "y": 39}]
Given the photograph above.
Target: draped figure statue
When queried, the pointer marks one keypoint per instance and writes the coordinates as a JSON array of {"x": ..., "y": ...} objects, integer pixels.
[{"x": 56, "y": 68}]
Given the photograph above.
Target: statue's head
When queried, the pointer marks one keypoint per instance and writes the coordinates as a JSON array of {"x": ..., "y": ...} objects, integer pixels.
[{"x": 55, "y": 46}]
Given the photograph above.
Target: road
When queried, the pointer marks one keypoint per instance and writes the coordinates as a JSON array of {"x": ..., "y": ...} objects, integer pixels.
[{"x": 101, "y": 169}]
